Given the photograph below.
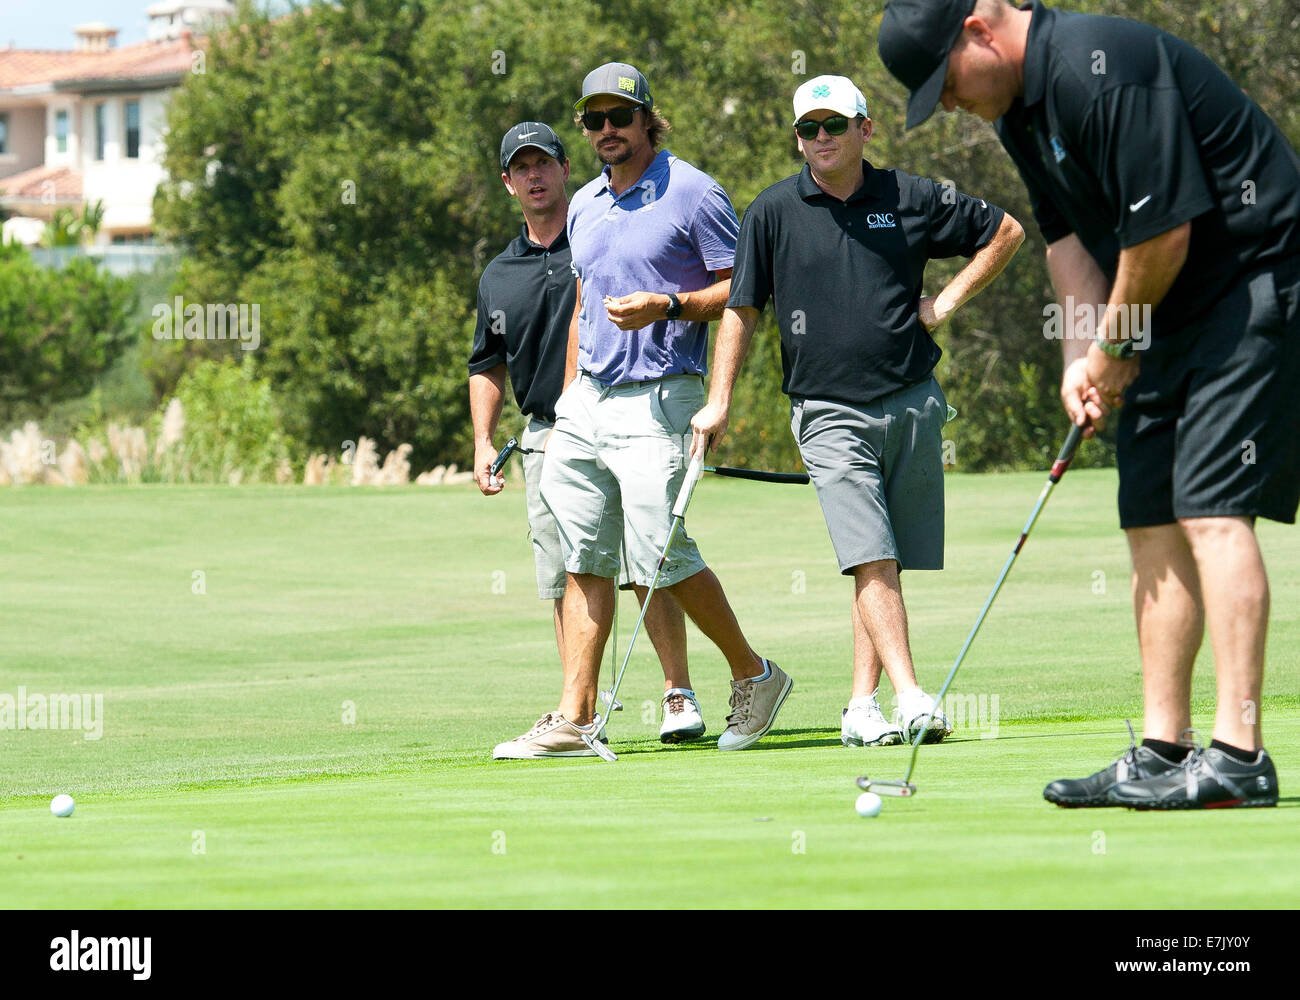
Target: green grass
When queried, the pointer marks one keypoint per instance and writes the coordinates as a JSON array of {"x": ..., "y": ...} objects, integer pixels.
[{"x": 224, "y": 714}]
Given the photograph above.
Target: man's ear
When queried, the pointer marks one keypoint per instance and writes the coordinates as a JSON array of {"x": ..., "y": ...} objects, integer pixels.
[
  {"x": 505, "y": 179},
  {"x": 566, "y": 168},
  {"x": 868, "y": 127},
  {"x": 976, "y": 29}
]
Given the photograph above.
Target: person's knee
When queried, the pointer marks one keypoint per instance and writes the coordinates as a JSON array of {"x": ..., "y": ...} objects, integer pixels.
[
  {"x": 879, "y": 570},
  {"x": 1211, "y": 531}
]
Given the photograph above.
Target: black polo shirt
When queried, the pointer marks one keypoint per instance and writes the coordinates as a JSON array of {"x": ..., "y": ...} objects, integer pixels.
[
  {"x": 1125, "y": 132},
  {"x": 525, "y": 303},
  {"x": 845, "y": 276}
]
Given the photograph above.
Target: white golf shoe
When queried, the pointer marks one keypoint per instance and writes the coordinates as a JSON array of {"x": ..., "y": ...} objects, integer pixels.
[
  {"x": 914, "y": 707},
  {"x": 863, "y": 724},
  {"x": 682, "y": 718}
]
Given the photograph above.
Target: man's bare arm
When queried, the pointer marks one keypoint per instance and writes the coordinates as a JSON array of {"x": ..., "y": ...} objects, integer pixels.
[
  {"x": 631, "y": 312},
  {"x": 571, "y": 350},
  {"x": 735, "y": 333},
  {"x": 982, "y": 268},
  {"x": 487, "y": 391}
]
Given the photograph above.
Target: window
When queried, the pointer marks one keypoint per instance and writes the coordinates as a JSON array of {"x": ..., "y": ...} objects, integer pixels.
[
  {"x": 61, "y": 130},
  {"x": 4, "y": 133},
  {"x": 133, "y": 130},
  {"x": 100, "y": 127}
]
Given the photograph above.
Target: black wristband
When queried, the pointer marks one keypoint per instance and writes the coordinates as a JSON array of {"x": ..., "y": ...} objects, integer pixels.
[{"x": 674, "y": 306}]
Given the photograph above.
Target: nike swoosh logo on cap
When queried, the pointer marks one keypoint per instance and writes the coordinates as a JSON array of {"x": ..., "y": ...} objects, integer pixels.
[
  {"x": 1138, "y": 204},
  {"x": 526, "y": 135}
]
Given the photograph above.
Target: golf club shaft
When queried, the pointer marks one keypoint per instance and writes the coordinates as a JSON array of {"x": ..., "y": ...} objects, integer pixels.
[
  {"x": 1062, "y": 463},
  {"x": 795, "y": 478},
  {"x": 693, "y": 474}
]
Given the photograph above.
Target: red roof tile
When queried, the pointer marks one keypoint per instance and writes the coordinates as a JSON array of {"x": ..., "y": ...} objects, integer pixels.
[
  {"x": 30, "y": 184},
  {"x": 25, "y": 67}
]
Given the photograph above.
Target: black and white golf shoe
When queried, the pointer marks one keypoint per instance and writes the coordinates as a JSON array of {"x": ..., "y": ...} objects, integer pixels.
[
  {"x": 1207, "y": 779},
  {"x": 1137, "y": 762}
]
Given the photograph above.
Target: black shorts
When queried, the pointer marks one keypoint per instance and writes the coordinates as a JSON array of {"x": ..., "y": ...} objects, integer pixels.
[{"x": 1211, "y": 426}]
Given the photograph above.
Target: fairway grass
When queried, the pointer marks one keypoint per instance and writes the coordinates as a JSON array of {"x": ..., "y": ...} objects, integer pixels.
[{"x": 301, "y": 688}]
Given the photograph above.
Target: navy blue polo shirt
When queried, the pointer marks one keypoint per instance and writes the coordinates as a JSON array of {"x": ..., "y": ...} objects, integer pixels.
[
  {"x": 845, "y": 276},
  {"x": 1125, "y": 132},
  {"x": 525, "y": 303}
]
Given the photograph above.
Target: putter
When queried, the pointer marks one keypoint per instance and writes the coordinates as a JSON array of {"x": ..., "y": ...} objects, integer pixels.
[
  {"x": 693, "y": 473},
  {"x": 905, "y": 788},
  {"x": 500, "y": 460},
  {"x": 605, "y": 696}
]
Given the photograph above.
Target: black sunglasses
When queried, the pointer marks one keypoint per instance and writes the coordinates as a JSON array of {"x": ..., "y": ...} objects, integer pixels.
[
  {"x": 834, "y": 125},
  {"x": 594, "y": 121}
]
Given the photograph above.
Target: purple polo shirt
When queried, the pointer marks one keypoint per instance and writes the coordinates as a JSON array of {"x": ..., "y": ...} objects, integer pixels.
[{"x": 665, "y": 233}]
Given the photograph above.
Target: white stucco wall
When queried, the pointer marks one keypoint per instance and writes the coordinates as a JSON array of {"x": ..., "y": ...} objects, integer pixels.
[
  {"x": 126, "y": 186},
  {"x": 25, "y": 148}
]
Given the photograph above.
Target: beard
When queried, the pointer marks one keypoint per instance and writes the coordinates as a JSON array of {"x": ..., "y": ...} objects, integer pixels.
[{"x": 615, "y": 155}]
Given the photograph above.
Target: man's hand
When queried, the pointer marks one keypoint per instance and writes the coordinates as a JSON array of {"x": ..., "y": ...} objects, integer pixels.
[
  {"x": 931, "y": 314},
  {"x": 1082, "y": 400},
  {"x": 708, "y": 426},
  {"x": 484, "y": 456},
  {"x": 631, "y": 312},
  {"x": 1110, "y": 376}
]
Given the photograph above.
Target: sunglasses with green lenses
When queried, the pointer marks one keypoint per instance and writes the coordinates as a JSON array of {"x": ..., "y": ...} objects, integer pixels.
[
  {"x": 834, "y": 125},
  {"x": 594, "y": 121}
]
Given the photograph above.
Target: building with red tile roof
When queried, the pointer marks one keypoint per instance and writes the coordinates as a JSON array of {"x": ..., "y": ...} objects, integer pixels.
[{"x": 86, "y": 124}]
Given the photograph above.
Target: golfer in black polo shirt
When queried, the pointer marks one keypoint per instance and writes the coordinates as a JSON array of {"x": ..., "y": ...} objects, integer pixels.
[
  {"x": 1156, "y": 183},
  {"x": 525, "y": 303},
  {"x": 841, "y": 250}
]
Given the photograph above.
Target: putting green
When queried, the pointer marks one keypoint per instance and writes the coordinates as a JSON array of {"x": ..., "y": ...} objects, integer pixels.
[{"x": 301, "y": 688}]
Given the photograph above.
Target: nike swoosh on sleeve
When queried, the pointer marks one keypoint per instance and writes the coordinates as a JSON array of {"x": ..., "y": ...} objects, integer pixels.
[{"x": 1138, "y": 204}]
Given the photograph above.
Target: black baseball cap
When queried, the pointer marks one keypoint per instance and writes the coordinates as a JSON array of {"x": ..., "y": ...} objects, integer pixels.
[
  {"x": 615, "y": 80},
  {"x": 915, "y": 39},
  {"x": 531, "y": 134}
]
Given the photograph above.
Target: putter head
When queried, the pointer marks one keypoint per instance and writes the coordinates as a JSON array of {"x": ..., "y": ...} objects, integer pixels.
[
  {"x": 617, "y": 706},
  {"x": 592, "y": 740},
  {"x": 899, "y": 789}
]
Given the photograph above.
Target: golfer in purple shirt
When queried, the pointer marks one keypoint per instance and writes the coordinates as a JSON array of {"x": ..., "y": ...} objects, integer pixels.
[{"x": 653, "y": 240}]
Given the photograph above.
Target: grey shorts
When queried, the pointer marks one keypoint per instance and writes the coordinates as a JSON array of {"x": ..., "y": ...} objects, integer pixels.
[
  {"x": 542, "y": 530},
  {"x": 878, "y": 471},
  {"x": 613, "y": 469}
]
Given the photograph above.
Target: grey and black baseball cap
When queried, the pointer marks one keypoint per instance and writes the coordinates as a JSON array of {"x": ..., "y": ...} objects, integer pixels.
[
  {"x": 536, "y": 134},
  {"x": 616, "y": 80},
  {"x": 915, "y": 39}
]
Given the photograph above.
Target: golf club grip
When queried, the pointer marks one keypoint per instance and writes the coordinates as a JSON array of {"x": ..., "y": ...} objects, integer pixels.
[
  {"x": 502, "y": 455},
  {"x": 799, "y": 478},
  {"x": 1067, "y": 452},
  {"x": 693, "y": 473}
]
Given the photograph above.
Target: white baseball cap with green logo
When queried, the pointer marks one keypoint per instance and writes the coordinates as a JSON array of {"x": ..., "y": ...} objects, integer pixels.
[{"x": 829, "y": 93}]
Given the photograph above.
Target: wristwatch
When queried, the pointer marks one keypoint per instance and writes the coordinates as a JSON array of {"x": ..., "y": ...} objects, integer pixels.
[
  {"x": 1119, "y": 349},
  {"x": 674, "y": 307}
]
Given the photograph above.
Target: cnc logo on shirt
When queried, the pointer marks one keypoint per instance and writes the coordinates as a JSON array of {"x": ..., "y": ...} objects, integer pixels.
[
  {"x": 881, "y": 220},
  {"x": 1058, "y": 149}
]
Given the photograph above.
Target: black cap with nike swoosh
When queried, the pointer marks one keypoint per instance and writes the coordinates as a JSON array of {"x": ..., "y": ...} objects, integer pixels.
[{"x": 531, "y": 134}]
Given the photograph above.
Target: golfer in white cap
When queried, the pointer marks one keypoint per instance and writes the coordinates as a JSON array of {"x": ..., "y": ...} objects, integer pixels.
[{"x": 840, "y": 249}]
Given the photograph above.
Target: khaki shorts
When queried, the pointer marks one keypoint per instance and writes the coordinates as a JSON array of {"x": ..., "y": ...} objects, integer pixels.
[
  {"x": 613, "y": 469},
  {"x": 542, "y": 531}
]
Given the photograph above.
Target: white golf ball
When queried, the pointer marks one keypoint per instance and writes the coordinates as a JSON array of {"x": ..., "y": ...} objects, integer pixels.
[
  {"x": 868, "y": 805},
  {"x": 62, "y": 805}
]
